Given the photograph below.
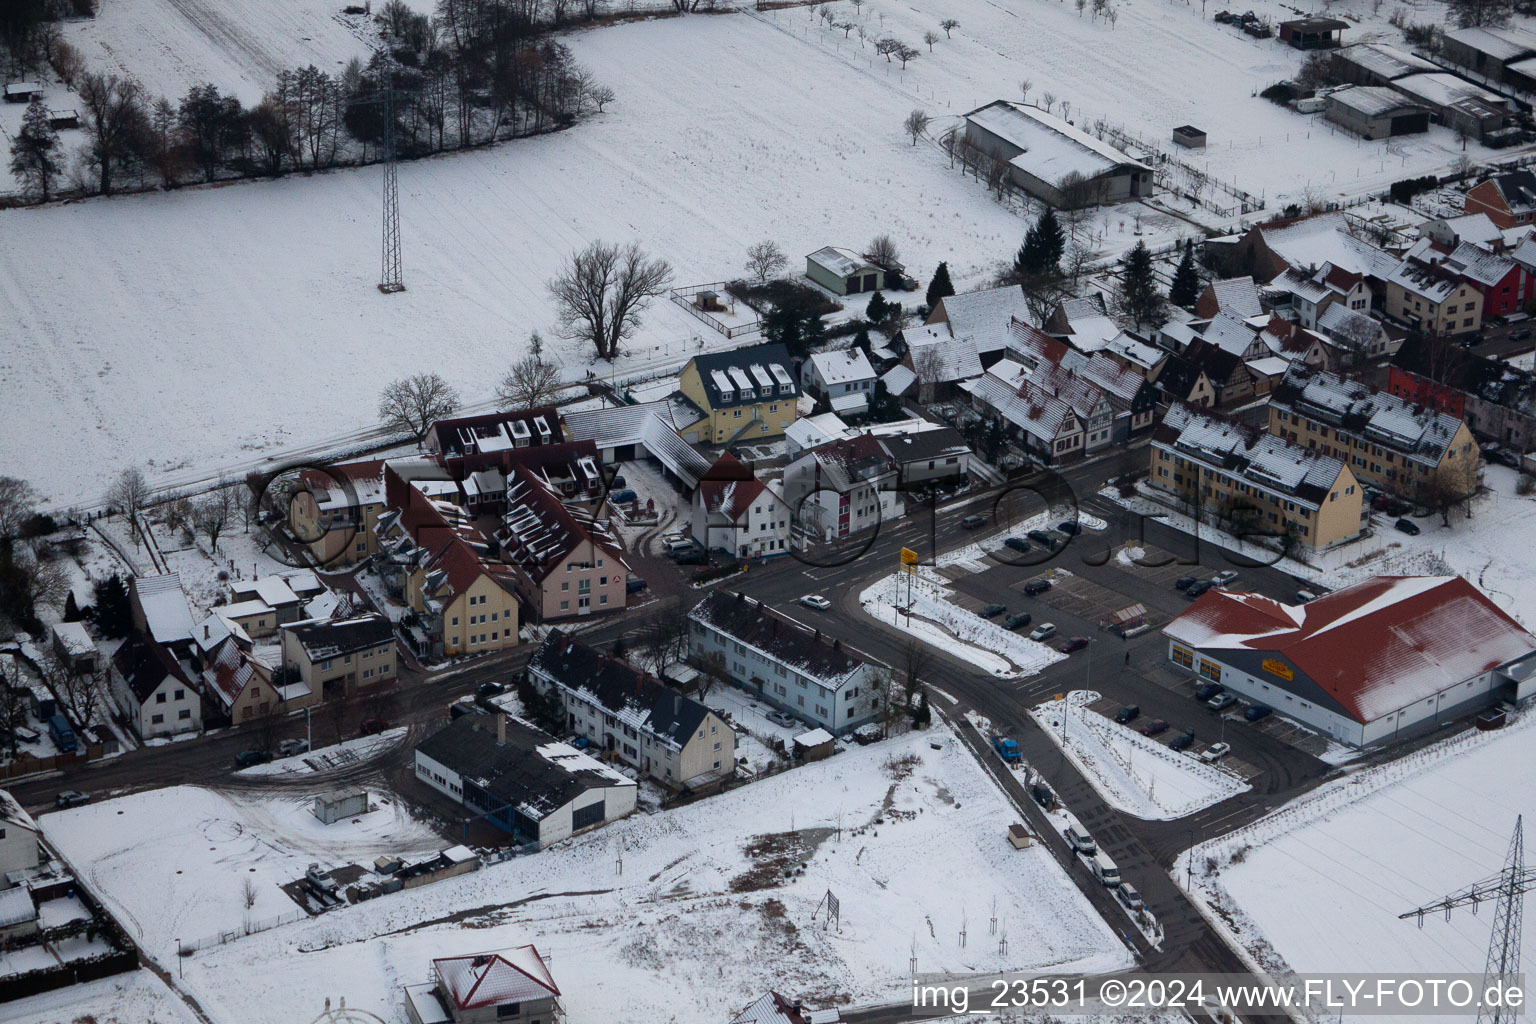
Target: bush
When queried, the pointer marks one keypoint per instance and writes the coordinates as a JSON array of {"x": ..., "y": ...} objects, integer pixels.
[
  {"x": 1526, "y": 485},
  {"x": 1404, "y": 191},
  {"x": 706, "y": 573},
  {"x": 1280, "y": 94}
]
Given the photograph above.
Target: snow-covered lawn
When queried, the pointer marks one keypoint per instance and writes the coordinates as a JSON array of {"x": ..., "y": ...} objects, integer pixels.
[
  {"x": 695, "y": 925},
  {"x": 1132, "y": 772},
  {"x": 919, "y": 606},
  {"x": 172, "y": 863},
  {"x": 1319, "y": 884},
  {"x": 137, "y": 997}
]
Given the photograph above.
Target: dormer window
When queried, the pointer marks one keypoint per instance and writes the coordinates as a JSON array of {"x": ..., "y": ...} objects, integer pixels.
[{"x": 727, "y": 396}]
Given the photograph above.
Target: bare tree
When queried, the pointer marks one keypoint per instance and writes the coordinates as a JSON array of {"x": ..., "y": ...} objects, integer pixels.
[
  {"x": 712, "y": 670},
  {"x": 882, "y": 252},
  {"x": 113, "y": 121},
  {"x": 78, "y": 691},
  {"x": 948, "y": 25},
  {"x": 916, "y": 660},
  {"x": 530, "y": 383},
  {"x": 886, "y": 47},
  {"x": 248, "y": 892},
  {"x": 916, "y": 124},
  {"x": 213, "y": 512},
  {"x": 129, "y": 494},
  {"x": 13, "y": 712},
  {"x": 951, "y": 142},
  {"x": 1050, "y": 100},
  {"x": 18, "y": 503},
  {"x": 663, "y": 636},
  {"x": 1075, "y": 262},
  {"x": 930, "y": 37},
  {"x": 905, "y": 53},
  {"x": 1025, "y": 84},
  {"x": 412, "y": 404},
  {"x": 766, "y": 259},
  {"x": 1452, "y": 486},
  {"x": 602, "y": 291},
  {"x": 602, "y": 95}
]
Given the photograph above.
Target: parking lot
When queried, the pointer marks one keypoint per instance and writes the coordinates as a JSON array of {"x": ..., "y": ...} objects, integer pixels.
[
  {"x": 1275, "y": 726},
  {"x": 1085, "y": 599},
  {"x": 1232, "y": 763}
]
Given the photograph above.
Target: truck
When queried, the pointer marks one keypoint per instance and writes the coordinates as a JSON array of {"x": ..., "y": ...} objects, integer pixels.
[
  {"x": 1006, "y": 748},
  {"x": 63, "y": 735}
]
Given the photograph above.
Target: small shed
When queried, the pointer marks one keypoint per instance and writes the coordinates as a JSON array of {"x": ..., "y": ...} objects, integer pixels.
[
  {"x": 814, "y": 745},
  {"x": 1188, "y": 136},
  {"x": 59, "y": 120},
  {"x": 18, "y": 914},
  {"x": 74, "y": 646},
  {"x": 708, "y": 300},
  {"x": 1313, "y": 33},
  {"x": 1020, "y": 837},
  {"x": 1128, "y": 618},
  {"x": 843, "y": 272},
  {"x": 22, "y": 92},
  {"x": 339, "y": 804}
]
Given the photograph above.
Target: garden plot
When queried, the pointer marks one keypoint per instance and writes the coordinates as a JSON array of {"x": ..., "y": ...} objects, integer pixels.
[
  {"x": 1132, "y": 772},
  {"x": 919, "y": 606},
  {"x": 173, "y": 863},
  {"x": 1319, "y": 884},
  {"x": 717, "y": 900}
]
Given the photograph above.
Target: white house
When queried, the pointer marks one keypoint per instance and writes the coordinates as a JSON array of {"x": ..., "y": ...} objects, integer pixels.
[
  {"x": 19, "y": 849},
  {"x": 153, "y": 690},
  {"x": 844, "y": 487},
  {"x": 735, "y": 512},
  {"x": 844, "y": 378}
]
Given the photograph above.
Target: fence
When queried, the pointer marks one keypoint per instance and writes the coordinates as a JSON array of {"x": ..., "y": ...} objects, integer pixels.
[
  {"x": 249, "y": 928},
  {"x": 683, "y": 297}
]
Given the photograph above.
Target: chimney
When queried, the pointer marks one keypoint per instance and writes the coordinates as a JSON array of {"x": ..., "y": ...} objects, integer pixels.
[
  {"x": 501, "y": 728},
  {"x": 205, "y": 631},
  {"x": 677, "y": 703}
]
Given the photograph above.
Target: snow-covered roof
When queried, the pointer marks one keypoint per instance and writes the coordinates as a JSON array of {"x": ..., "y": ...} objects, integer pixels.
[
  {"x": 841, "y": 262},
  {"x": 1369, "y": 100},
  {"x": 245, "y": 609},
  {"x": 753, "y": 624},
  {"x": 940, "y": 357},
  {"x": 810, "y": 431},
  {"x": 1237, "y": 296},
  {"x": 16, "y": 906},
  {"x": 1372, "y": 648},
  {"x": 845, "y": 366},
  {"x": 1053, "y": 150},
  {"x": 513, "y": 975},
  {"x": 1027, "y": 407},
  {"x": 814, "y": 738},
  {"x": 1313, "y": 241},
  {"x": 1229, "y": 333},
  {"x": 898, "y": 379},
  {"x": 74, "y": 639},
  {"x": 983, "y": 316},
  {"x": 1269, "y": 366},
  {"x": 1416, "y": 432},
  {"x": 1500, "y": 44},
  {"x": 617, "y": 426},
  {"x": 1477, "y": 228},
  {"x": 1383, "y": 60},
  {"x": 772, "y": 1008},
  {"x": 274, "y": 590},
  {"x": 1265, "y": 461},
  {"x": 166, "y": 613},
  {"x": 1419, "y": 277},
  {"x": 850, "y": 404},
  {"x": 1134, "y": 350},
  {"x": 1478, "y": 264},
  {"x": 1441, "y": 89}
]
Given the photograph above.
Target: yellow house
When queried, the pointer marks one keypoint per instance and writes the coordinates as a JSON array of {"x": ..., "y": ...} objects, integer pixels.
[
  {"x": 744, "y": 395},
  {"x": 1384, "y": 439},
  {"x": 1433, "y": 298},
  {"x": 1254, "y": 483},
  {"x": 474, "y": 599},
  {"x": 335, "y": 511}
]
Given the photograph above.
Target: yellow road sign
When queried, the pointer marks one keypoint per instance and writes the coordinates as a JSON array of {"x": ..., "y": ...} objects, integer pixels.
[{"x": 908, "y": 556}]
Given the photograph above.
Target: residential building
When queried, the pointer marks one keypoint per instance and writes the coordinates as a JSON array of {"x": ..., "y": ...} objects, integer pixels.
[
  {"x": 634, "y": 717},
  {"x": 502, "y": 986},
  {"x": 1207, "y": 375},
  {"x": 1497, "y": 400},
  {"x": 1308, "y": 295},
  {"x": 1504, "y": 285},
  {"x": 1386, "y": 440},
  {"x": 815, "y": 678},
  {"x": 569, "y": 562},
  {"x": 982, "y": 316},
  {"x": 335, "y": 510},
  {"x": 843, "y": 378},
  {"x": 493, "y": 433},
  {"x": 1054, "y": 160},
  {"x": 924, "y": 452},
  {"x": 237, "y": 687},
  {"x": 1083, "y": 322},
  {"x": 745, "y": 394},
  {"x": 1303, "y": 243},
  {"x": 843, "y": 272},
  {"x": 262, "y": 605},
  {"x": 939, "y": 360},
  {"x": 339, "y": 657},
  {"x": 1044, "y": 424},
  {"x": 737, "y": 513},
  {"x": 1478, "y": 228},
  {"x": 19, "y": 838},
  {"x": 159, "y": 609},
  {"x": 1374, "y": 663},
  {"x": 647, "y": 429},
  {"x": 1376, "y": 112},
  {"x": 1508, "y": 199},
  {"x": 809, "y": 431},
  {"x": 1431, "y": 297},
  {"x": 153, "y": 691},
  {"x": 843, "y": 487},
  {"x": 772, "y": 1008},
  {"x": 1236, "y": 296},
  {"x": 1252, "y": 483},
  {"x": 521, "y": 780}
]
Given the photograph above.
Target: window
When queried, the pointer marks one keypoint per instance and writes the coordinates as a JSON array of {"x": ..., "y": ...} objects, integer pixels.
[
  {"x": 160, "y": 697},
  {"x": 1210, "y": 670},
  {"x": 184, "y": 714},
  {"x": 582, "y": 817},
  {"x": 1183, "y": 657},
  {"x": 157, "y": 719},
  {"x": 505, "y": 1010}
]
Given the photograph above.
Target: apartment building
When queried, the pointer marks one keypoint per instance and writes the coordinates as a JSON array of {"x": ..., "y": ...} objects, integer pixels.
[{"x": 745, "y": 394}]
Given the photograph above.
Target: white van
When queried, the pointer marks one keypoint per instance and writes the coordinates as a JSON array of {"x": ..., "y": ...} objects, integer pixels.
[
  {"x": 1105, "y": 871},
  {"x": 1080, "y": 841}
]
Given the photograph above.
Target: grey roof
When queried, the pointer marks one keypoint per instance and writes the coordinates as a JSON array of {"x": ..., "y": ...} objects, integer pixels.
[
  {"x": 1384, "y": 61},
  {"x": 782, "y": 639},
  {"x": 1371, "y": 100},
  {"x": 639, "y": 700},
  {"x": 739, "y": 371},
  {"x": 613, "y": 427},
  {"x": 1500, "y": 44},
  {"x": 327, "y": 638},
  {"x": 1414, "y": 431},
  {"x": 143, "y": 664},
  {"x": 1271, "y": 463},
  {"x": 916, "y": 445}
]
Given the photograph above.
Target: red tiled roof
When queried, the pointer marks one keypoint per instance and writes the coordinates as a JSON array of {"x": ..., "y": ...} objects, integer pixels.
[{"x": 1375, "y": 647}]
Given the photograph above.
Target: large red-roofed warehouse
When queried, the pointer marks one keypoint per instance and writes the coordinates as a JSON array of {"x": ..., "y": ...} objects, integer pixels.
[{"x": 1366, "y": 664}]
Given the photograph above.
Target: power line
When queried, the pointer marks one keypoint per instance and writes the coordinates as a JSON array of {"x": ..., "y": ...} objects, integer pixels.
[{"x": 391, "y": 279}]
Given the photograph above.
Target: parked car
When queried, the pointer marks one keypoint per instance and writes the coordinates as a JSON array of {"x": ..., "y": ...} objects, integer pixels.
[
  {"x": 26, "y": 735},
  {"x": 991, "y": 611},
  {"x": 1006, "y": 748},
  {"x": 1044, "y": 631},
  {"x": 816, "y": 601},
  {"x": 1016, "y": 544},
  {"x": 1042, "y": 537},
  {"x": 71, "y": 798},
  {"x": 1382, "y": 502},
  {"x": 688, "y": 556},
  {"x": 1043, "y": 795},
  {"x": 1183, "y": 740},
  {"x": 634, "y": 585},
  {"x": 783, "y": 718},
  {"x": 1505, "y": 457},
  {"x": 1221, "y": 701},
  {"x": 619, "y": 481},
  {"x": 673, "y": 539},
  {"x": 1205, "y": 691},
  {"x": 1197, "y": 588},
  {"x": 1018, "y": 620},
  {"x": 1129, "y": 896},
  {"x": 1070, "y": 527},
  {"x": 623, "y": 496},
  {"x": 1073, "y": 644},
  {"x": 1156, "y": 727},
  {"x": 249, "y": 758},
  {"x": 292, "y": 748},
  {"x": 1128, "y": 714},
  {"x": 1184, "y": 582},
  {"x": 1224, "y": 577},
  {"x": 1215, "y": 752},
  {"x": 1080, "y": 840},
  {"x": 1034, "y": 588},
  {"x": 1407, "y": 526},
  {"x": 372, "y": 726},
  {"x": 1256, "y": 712},
  {"x": 972, "y": 522}
]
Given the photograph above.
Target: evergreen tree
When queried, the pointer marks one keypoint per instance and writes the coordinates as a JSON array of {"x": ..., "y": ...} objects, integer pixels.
[
  {"x": 71, "y": 608},
  {"x": 112, "y": 613},
  {"x": 619, "y": 650},
  {"x": 35, "y": 152},
  {"x": 1139, "y": 298},
  {"x": 878, "y": 309},
  {"x": 939, "y": 287},
  {"x": 795, "y": 324},
  {"x": 1039, "y": 258},
  {"x": 861, "y": 338},
  {"x": 1185, "y": 289}
]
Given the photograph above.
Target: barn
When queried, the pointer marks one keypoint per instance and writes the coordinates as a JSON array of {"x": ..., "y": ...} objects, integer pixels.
[
  {"x": 1054, "y": 160},
  {"x": 843, "y": 272},
  {"x": 1376, "y": 112},
  {"x": 1380, "y": 661}
]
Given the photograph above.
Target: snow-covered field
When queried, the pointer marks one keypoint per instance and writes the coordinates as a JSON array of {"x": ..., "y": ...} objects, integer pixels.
[
  {"x": 1320, "y": 883},
  {"x": 245, "y": 318},
  {"x": 172, "y": 863},
  {"x": 1132, "y": 772},
  {"x": 688, "y": 913},
  {"x": 135, "y": 998},
  {"x": 919, "y": 606}
]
